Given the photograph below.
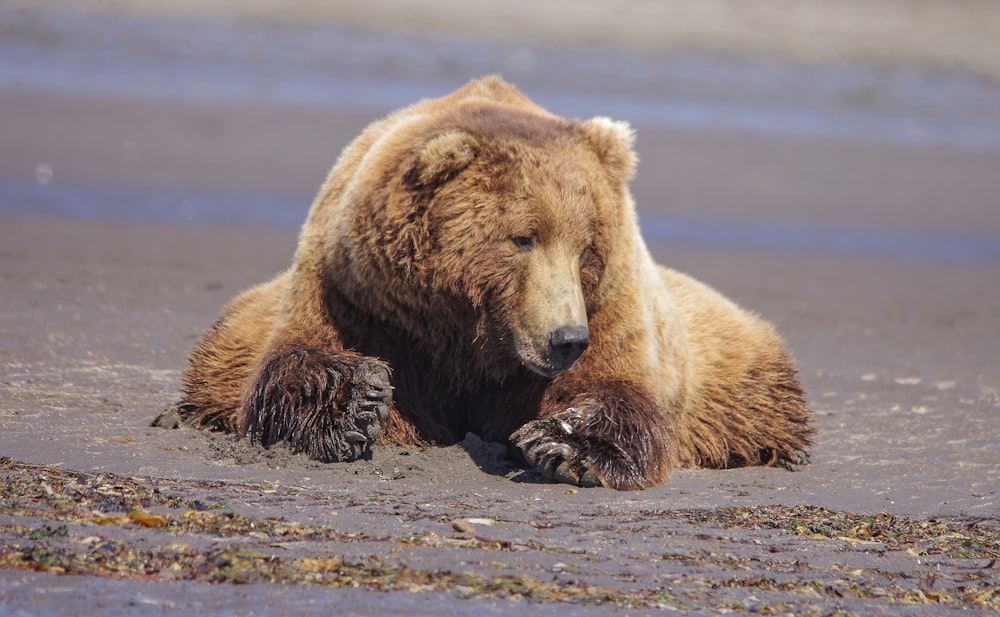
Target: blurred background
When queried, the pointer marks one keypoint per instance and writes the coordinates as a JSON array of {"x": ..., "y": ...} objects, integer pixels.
[{"x": 790, "y": 125}]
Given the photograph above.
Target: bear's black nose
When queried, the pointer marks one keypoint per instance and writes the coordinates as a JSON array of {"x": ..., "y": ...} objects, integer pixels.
[{"x": 568, "y": 343}]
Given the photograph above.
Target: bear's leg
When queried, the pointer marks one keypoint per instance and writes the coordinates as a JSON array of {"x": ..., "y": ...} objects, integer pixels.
[
  {"x": 615, "y": 436},
  {"x": 330, "y": 405}
]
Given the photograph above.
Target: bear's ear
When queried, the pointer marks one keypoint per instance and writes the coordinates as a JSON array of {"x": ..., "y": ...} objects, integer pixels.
[
  {"x": 612, "y": 142},
  {"x": 444, "y": 156}
]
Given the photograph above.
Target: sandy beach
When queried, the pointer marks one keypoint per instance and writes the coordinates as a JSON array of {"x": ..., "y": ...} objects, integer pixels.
[{"x": 128, "y": 219}]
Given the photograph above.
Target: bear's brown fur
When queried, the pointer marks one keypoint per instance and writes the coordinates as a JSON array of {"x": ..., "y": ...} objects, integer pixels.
[{"x": 473, "y": 263}]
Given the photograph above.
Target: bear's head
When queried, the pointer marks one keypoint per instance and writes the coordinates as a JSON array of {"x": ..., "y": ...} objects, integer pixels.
[{"x": 486, "y": 232}]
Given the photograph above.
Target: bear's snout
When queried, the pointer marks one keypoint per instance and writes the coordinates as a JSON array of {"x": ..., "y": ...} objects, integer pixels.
[{"x": 567, "y": 344}]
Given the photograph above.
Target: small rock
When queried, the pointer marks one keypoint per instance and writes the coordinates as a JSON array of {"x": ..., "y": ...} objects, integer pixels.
[{"x": 462, "y": 525}]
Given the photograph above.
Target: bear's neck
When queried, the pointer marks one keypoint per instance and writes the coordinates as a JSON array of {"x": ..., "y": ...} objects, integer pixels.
[{"x": 443, "y": 385}]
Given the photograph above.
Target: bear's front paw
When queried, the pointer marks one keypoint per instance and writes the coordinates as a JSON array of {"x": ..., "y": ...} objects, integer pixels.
[
  {"x": 618, "y": 438},
  {"x": 330, "y": 406},
  {"x": 553, "y": 448},
  {"x": 364, "y": 409}
]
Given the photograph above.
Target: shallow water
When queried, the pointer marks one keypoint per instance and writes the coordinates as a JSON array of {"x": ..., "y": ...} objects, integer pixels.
[
  {"x": 131, "y": 56},
  {"x": 201, "y": 206},
  {"x": 65, "y": 52}
]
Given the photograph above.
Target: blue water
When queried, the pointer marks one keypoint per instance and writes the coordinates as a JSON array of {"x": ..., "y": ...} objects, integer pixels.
[
  {"x": 199, "y": 207},
  {"x": 131, "y": 57},
  {"x": 180, "y": 206},
  {"x": 940, "y": 247}
]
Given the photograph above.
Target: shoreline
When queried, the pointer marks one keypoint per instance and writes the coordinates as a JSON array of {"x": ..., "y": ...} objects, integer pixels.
[
  {"x": 149, "y": 56},
  {"x": 938, "y": 36}
]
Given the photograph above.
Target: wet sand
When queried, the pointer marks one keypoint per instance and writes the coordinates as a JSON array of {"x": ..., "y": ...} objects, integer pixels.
[{"x": 897, "y": 352}]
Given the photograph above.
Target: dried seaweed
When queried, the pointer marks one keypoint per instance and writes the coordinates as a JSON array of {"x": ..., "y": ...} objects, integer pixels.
[{"x": 53, "y": 518}]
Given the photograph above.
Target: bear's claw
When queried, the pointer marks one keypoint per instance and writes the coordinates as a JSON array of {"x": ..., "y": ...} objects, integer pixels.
[
  {"x": 329, "y": 406},
  {"x": 550, "y": 446},
  {"x": 364, "y": 408}
]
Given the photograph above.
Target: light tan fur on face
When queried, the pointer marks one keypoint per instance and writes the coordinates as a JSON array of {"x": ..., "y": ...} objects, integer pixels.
[
  {"x": 552, "y": 298},
  {"x": 555, "y": 216}
]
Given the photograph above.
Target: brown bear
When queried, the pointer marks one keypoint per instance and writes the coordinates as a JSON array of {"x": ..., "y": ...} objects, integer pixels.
[{"x": 473, "y": 264}]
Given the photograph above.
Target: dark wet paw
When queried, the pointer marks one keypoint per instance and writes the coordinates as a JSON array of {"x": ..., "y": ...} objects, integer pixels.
[
  {"x": 365, "y": 408},
  {"x": 553, "y": 447},
  {"x": 329, "y": 406}
]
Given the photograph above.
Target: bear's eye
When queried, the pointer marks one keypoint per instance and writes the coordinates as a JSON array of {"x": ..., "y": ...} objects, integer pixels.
[{"x": 523, "y": 243}]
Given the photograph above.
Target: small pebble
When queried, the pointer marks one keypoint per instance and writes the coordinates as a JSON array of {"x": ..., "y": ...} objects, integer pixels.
[{"x": 462, "y": 525}]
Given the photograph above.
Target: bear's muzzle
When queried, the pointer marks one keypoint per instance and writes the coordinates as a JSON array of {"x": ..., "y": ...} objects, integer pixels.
[{"x": 566, "y": 345}]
